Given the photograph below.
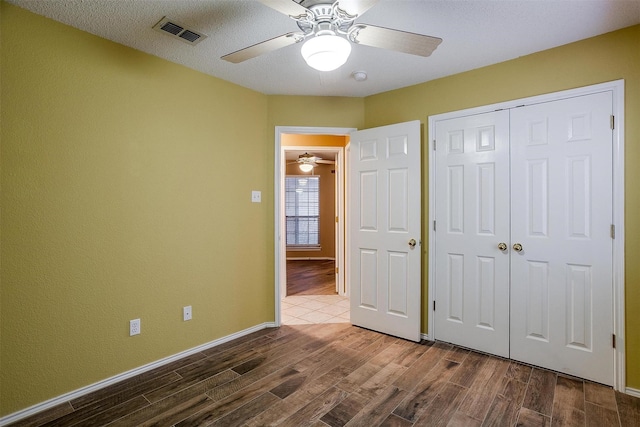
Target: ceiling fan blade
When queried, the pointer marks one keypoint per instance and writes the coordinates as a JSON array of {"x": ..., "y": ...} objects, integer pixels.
[
  {"x": 325, "y": 162},
  {"x": 356, "y": 7},
  {"x": 263, "y": 47},
  {"x": 288, "y": 7},
  {"x": 401, "y": 41}
]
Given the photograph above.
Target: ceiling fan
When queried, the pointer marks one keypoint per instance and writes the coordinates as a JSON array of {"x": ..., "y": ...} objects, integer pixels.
[
  {"x": 308, "y": 161},
  {"x": 329, "y": 29}
]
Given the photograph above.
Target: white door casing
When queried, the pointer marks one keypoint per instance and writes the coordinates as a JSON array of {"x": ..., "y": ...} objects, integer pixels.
[
  {"x": 347, "y": 222},
  {"x": 561, "y": 215},
  {"x": 385, "y": 215},
  {"x": 472, "y": 198},
  {"x": 339, "y": 224}
]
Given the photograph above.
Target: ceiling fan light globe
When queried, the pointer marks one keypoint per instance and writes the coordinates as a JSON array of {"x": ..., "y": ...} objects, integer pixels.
[
  {"x": 326, "y": 52},
  {"x": 306, "y": 167}
]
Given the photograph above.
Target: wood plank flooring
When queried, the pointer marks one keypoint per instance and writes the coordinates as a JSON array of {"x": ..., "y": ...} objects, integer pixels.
[
  {"x": 337, "y": 375},
  {"x": 311, "y": 277}
]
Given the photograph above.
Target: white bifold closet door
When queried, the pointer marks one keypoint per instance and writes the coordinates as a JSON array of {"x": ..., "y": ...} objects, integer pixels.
[
  {"x": 561, "y": 214},
  {"x": 472, "y": 211},
  {"x": 523, "y": 236}
]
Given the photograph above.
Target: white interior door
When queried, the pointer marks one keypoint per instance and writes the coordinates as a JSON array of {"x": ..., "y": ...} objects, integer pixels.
[
  {"x": 472, "y": 211},
  {"x": 385, "y": 229},
  {"x": 561, "y": 215}
]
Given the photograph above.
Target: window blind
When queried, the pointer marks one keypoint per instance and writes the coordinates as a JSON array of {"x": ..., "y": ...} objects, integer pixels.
[{"x": 302, "y": 210}]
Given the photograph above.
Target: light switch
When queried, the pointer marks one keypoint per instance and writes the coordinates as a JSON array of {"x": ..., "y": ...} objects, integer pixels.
[{"x": 256, "y": 196}]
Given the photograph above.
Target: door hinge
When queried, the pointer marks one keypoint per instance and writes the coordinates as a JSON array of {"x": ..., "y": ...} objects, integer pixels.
[
  {"x": 336, "y": 219},
  {"x": 434, "y": 226},
  {"x": 613, "y": 231},
  {"x": 434, "y": 305},
  {"x": 613, "y": 340},
  {"x": 434, "y": 145},
  {"x": 336, "y": 270},
  {"x": 612, "y": 122}
]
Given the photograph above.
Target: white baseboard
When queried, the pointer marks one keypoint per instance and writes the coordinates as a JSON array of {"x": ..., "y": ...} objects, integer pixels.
[
  {"x": 11, "y": 418},
  {"x": 632, "y": 392}
]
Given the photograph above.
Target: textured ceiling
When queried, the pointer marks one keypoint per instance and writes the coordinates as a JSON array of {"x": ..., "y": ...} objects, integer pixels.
[{"x": 475, "y": 33}]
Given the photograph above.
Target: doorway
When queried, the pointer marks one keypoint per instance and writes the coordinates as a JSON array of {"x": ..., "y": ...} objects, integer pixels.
[
  {"x": 312, "y": 201},
  {"x": 318, "y": 291}
]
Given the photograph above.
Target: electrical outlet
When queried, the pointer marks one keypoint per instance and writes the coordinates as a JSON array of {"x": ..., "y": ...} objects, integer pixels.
[
  {"x": 134, "y": 327},
  {"x": 256, "y": 196},
  {"x": 186, "y": 313}
]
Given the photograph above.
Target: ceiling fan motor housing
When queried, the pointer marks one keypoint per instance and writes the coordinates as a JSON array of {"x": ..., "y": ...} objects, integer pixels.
[{"x": 325, "y": 16}]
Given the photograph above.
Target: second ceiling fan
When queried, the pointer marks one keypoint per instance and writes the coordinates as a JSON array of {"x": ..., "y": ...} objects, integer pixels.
[
  {"x": 307, "y": 162},
  {"x": 328, "y": 31}
]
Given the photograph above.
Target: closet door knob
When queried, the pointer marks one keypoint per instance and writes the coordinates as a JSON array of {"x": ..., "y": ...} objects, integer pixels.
[
  {"x": 502, "y": 246},
  {"x": 517, "y": 247}
]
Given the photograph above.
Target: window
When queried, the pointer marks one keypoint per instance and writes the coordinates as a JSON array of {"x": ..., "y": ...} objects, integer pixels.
[{"x": 302, "y": 209}]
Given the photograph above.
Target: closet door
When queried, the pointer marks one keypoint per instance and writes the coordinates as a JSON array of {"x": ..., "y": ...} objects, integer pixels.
[
  {"x": 561, "y": 248},
  {"x": 472, "y": 220}
]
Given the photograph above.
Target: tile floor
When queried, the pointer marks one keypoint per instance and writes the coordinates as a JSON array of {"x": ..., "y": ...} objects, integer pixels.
[{"x": 311, "y": 309}]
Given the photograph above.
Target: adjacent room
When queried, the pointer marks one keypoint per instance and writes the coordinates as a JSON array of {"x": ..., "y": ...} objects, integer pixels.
[
  {"x": 314, "y": 222},
  {"x": 459, "y": 247}
]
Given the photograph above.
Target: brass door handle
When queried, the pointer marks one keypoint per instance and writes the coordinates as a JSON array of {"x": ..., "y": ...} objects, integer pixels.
[
  {"x": 412, "y": 243},
  {"x": 502, "y": 246},
  {"x": 517, "y": 247}
]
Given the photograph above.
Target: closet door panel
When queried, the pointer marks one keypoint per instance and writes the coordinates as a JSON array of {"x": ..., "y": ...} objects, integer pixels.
[
  {"x": 561, "y": 214},
  {"x": 472, "y": 212}
]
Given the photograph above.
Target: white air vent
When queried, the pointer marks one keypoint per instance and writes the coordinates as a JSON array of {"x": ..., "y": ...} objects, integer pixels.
[{"x": 172, "y": 28}]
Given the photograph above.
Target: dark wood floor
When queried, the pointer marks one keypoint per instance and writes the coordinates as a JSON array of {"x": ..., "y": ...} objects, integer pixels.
[
  {"x": 338, "y": 374},
  {"x": 311, "y": 277}
]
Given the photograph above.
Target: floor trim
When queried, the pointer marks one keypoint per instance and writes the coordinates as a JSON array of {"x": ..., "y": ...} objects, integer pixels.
[
  {"x": 16, "y": 416},
  {"x": 632, "y": 392}
]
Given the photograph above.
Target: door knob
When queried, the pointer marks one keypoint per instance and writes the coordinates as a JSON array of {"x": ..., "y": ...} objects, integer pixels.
[
  {"x": 517, "y": 247},
  {"x": 412, "y": 243},
  {"x": 502, "y": 246}
]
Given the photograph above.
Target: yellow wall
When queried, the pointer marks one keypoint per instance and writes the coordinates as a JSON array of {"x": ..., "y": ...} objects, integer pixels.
[
  {"x": 316, "y": 111},
  {"x": 121, "y": 198},
  {"x": 605, "y": 58}
]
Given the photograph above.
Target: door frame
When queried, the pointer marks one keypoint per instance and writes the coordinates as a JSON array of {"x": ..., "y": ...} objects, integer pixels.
[
  {"x": 280, "y": 258},
  {"x": 617, "y": 89}
]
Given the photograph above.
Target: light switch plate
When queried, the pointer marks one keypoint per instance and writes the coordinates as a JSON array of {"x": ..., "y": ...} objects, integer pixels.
[{"x": 256, "y": 196}]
